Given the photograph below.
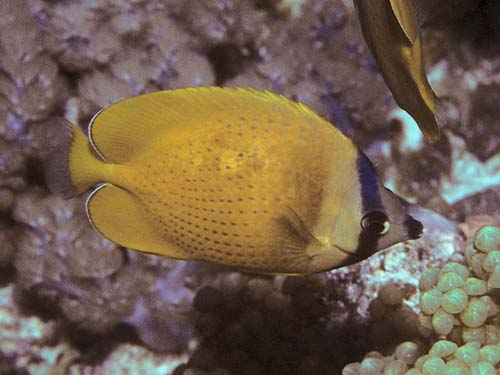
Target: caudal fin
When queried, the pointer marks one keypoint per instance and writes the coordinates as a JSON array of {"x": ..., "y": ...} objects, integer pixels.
[{"x": 71, "y": 166}]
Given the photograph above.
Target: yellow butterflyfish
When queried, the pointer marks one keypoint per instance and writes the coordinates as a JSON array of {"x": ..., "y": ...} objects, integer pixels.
[
  {"x": 391, "y": 31},
  {"x": 239, "y": 177}
]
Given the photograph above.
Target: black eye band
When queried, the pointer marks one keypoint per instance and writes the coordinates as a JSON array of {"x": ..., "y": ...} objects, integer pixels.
[{"x": 368, "y": 180}]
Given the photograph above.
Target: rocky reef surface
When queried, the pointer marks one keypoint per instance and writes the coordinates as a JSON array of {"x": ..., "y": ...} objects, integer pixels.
[{"x": 71, "y": 302}]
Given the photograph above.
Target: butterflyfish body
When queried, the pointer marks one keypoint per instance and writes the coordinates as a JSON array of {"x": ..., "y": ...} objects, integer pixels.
[
  {"x": 239, "y": 177},
  {"x": 391, "y": 31}
]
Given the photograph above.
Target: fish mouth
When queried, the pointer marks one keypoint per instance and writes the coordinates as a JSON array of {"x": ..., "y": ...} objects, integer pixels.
[{"x": 415, "y": 228}]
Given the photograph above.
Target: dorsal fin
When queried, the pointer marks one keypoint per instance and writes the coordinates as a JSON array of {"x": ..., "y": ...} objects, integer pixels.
[
  {"x": 125, "y": 128},
  {"x": 407, "y": 19}
]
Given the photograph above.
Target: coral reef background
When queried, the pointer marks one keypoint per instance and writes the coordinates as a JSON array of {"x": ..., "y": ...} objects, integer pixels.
[{"x": 72, "y": 302}]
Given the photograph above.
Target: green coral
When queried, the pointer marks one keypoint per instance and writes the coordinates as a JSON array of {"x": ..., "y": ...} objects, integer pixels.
[{"x": 459, "y": 317}]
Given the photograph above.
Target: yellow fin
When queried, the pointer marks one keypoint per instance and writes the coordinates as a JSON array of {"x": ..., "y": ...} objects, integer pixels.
[
  {"x": 293, "y": 234},
  {"x": 407, "y": 19},
  {"x": 125, "y": 128},
  {"x": 400, "y": 62},
  {"x": 303, "y": 248},
  {"x": 118, "y": 216}
]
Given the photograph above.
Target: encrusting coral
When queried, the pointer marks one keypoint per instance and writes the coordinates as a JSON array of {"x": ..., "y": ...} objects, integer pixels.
[
  {"x": 130, "y": 359},
  {"x": 57, "y": 254},
  {"x": 56, "y": 257},
  {"x": 27, "y": 341},
  {"x": 458, "y": 322},
  {"x": 139, "y": 50},
  {"x": 30, "y": 83},
  {"x": 31, "y": 88}
]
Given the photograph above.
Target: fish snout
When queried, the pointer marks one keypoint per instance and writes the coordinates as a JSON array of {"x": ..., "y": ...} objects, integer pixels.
[{"x": 414, "y": 228}]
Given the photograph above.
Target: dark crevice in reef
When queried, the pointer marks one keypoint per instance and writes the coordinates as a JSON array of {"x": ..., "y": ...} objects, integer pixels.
[
  {"x": 7, "y": 275},
  {"x": 228, "y": 60},
  {"x": 269, "y": 6},
  {"x": 249, "y": 337},
  {"x": 71, "y": 77},
  {"x": 481, "y": 27},
  {"x": 31, "y": 303},
  {"x": 472, "y": 21},
  {"x": 94, "y": 347},
  {"x": 482, "y": 131},
  {"x": 8, "y": 367}
]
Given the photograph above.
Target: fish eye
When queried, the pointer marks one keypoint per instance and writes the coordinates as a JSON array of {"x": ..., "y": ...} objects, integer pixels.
[{"x": 375, "y": 222}]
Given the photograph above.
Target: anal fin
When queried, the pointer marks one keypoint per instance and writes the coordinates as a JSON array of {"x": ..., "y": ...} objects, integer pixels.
[{"x": 119, "y": 217}]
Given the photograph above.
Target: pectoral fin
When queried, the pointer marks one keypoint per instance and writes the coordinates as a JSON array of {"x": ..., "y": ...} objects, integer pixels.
[{"x": 293, "y": 234}]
